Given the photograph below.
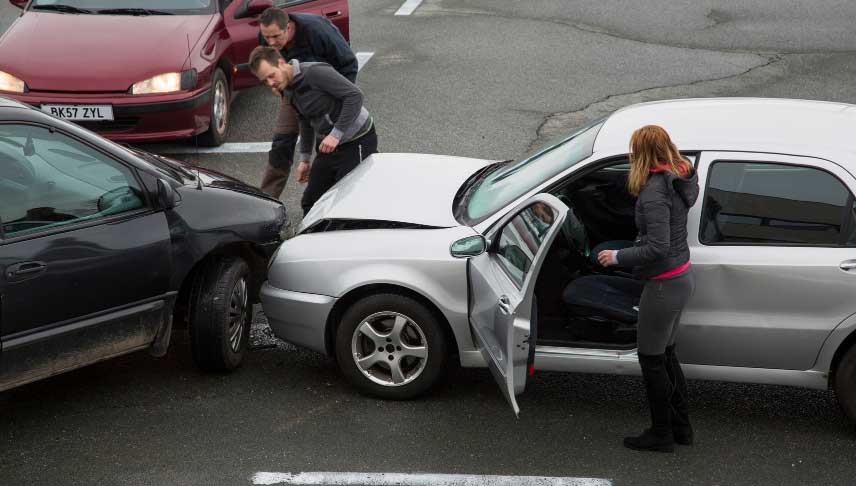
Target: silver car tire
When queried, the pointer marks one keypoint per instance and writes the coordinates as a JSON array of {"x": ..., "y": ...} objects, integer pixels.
[
  {"x": 391, "y": 346},
  {"x": 845, "y": 384}
]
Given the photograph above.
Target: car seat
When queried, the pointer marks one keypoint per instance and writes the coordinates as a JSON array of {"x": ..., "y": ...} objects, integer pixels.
[{"x": 604, "y": 298}]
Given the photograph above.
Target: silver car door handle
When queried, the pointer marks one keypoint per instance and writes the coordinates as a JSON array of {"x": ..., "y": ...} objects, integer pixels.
[
  {"x": 504, "y": 304},
  {"x": 848, "y": 265}
]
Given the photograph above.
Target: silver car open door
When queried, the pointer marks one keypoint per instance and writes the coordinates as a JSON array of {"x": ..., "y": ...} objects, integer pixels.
[{"x": 502, "y": 287}]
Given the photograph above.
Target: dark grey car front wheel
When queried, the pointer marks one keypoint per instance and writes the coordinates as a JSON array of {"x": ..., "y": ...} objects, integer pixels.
[
  {"x": 221, "y": 314},
  {"x": 390, "y": 346}
]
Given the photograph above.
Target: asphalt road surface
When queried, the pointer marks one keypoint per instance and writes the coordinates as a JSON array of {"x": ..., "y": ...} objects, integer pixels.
[{"x": 488, "y": 79}]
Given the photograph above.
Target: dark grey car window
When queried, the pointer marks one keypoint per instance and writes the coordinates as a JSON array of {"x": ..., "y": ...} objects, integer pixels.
[
  {"x": 48, "y": 180},
  {"x": 775, "y": 204},
  {"x": 521, "y": 238}
]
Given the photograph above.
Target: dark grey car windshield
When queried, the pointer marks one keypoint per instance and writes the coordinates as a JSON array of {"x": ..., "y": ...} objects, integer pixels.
[
  {"x": 512, "y": 181},
  {"x": 133, "y": 7}
]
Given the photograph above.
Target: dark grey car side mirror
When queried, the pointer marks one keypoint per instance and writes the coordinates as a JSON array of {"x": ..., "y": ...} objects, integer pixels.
[{"x": 167, "y": 197}]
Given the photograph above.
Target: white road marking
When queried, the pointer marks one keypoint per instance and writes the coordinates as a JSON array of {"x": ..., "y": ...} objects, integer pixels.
[
  {"x": 226, "y": 148},
  {"x": 363, "y": 58},
  {"x": 383, "y": 479},
  {"x": 408, "y": 7}
]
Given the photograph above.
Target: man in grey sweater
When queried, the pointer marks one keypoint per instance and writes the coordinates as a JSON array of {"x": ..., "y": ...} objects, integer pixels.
[{"x": 329, "y": 109}]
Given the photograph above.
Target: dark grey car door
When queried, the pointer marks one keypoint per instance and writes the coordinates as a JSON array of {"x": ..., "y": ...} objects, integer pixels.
[{"x": 85, "y": 259}]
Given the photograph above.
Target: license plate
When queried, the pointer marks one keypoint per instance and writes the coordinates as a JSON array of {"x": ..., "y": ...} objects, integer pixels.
[{"x": 80, "y": 112}]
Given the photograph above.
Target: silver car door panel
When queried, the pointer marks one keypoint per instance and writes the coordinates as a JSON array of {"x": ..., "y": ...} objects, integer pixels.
[
  {"x": 764, "y": 305},
  {"x": 502, "y": 282}
]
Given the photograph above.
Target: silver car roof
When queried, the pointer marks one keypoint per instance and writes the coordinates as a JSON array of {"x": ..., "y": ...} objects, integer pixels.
[{"x": 799, "y": 127}]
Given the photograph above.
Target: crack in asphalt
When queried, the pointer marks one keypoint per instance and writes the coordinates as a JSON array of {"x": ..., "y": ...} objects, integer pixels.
[
  {"x": 719, "y": 17},
  {"x": 611, "y": 102}
]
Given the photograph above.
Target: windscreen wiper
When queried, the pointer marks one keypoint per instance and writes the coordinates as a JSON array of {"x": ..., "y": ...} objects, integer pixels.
[
  {"x": 58, "y": 7},
  {"x": 175, "y": 168},
  {"x": 465, "y": 191},
  {"x": 132, "y": 11}
]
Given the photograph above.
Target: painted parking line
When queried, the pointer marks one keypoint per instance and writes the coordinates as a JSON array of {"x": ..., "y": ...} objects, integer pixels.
[
  {"x": 237, "y": 147},
  {"x": 408, "y": 7},
  {"x": 363, "y": 58},
  {"x": 384, "y": 479},
  {"x": 226, "y": 148}
]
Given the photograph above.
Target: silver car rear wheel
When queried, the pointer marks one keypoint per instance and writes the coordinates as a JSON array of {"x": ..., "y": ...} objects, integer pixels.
[
  {"x": 845, "y": 383},
  {"x": 391, "y": 346},
  {"x": 389, "y": 349}
]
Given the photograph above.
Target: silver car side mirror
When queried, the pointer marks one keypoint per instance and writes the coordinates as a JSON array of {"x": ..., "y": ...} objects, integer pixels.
[{"x": 468, "y": 247}]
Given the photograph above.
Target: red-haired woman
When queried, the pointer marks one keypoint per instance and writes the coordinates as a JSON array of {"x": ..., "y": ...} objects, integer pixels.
[{"x": 666, "y": 186}]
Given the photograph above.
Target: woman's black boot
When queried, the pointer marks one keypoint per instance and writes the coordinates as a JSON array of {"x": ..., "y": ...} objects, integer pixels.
[
  {"x": 681, "y": 428},
  {"x": 659, "y": 388}
]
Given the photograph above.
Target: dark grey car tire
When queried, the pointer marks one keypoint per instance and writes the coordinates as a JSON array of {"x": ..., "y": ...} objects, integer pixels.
[
  {"x": 220, "y": 315},
  {"x": 845, "y": 384},
  {"x": 422, "y": 327},
  {"x": 218, "y": 128}
]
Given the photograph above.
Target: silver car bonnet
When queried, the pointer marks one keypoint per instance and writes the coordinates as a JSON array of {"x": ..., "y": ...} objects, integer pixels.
[{"x": 407, "y": 188}]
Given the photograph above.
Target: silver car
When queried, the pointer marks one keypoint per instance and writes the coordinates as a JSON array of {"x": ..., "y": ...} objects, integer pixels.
[{"x": 412, "y": 260}]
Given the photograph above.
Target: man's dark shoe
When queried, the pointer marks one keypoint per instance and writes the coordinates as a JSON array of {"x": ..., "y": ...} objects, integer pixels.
[{"x": 650, "y": 441}]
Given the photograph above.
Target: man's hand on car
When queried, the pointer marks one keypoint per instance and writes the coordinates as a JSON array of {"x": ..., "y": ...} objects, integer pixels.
[{"x": 303, "y": 172}]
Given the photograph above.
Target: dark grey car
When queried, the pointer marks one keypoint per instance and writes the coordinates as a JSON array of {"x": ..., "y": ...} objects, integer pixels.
[{"x": 103, "y": 248}]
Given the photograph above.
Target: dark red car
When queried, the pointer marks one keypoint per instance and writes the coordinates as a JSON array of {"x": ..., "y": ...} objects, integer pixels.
[{"x": 140, "y": 69}]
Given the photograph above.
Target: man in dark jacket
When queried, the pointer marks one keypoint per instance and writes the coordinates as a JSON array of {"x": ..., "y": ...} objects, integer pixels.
[
  {"x": 329, "y": 108},
  {"x": 307, "y": 38}
]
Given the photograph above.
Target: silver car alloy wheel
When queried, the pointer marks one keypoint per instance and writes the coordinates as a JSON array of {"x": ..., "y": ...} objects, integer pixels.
[
  {"x": 237, "y": 314},
  {"x": 221, "y": 107},
  {"x": 389, "y": 349}
]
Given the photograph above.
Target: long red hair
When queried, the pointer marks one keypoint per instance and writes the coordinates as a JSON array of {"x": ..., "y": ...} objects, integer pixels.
[{"x": 652, "y": 148}]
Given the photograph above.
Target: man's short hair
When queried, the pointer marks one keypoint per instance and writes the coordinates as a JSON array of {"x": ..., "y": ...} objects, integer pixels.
[
  {"x": 264, "y": 53},
  {"x": 274, "y": 15}
]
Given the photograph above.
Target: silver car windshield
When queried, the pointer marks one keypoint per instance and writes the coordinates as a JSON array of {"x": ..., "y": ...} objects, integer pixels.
[
  {"x": 502, "y": 186},
  {"x": 127, "y": 7}
]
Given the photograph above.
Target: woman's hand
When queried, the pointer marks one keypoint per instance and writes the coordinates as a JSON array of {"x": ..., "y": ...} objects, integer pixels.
[{"x": 608, "y": 257}]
